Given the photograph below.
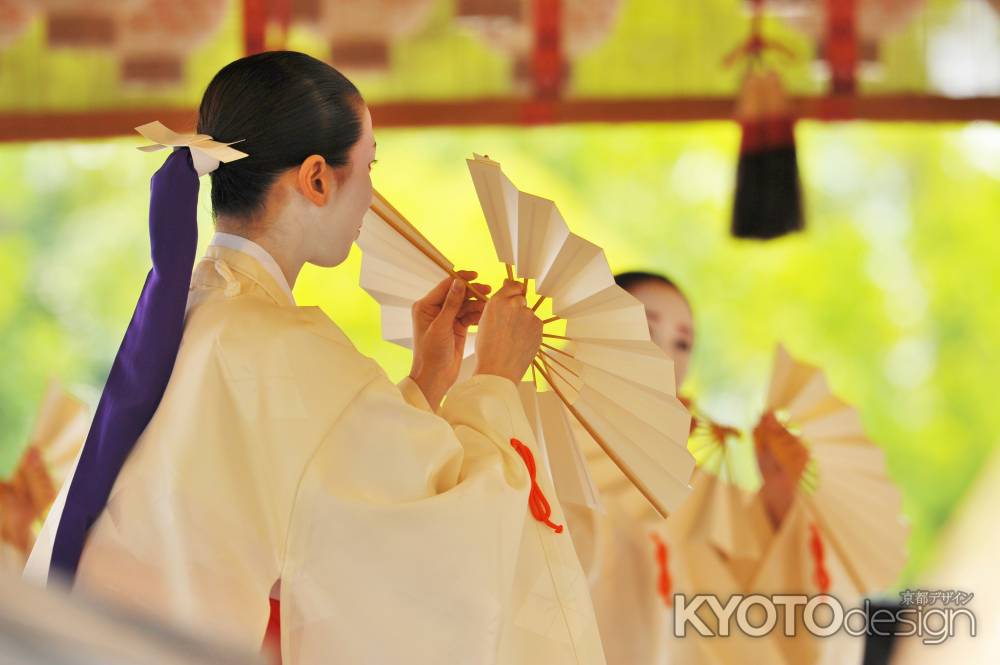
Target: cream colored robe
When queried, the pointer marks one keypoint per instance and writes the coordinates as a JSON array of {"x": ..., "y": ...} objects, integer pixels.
[
  {"x": 280, "y": 453},
  {"x": 618, "y": 552}
]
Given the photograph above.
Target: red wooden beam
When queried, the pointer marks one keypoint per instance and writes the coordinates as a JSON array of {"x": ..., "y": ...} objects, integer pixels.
[
  {"x": 90, "y": 124},
  {"x": 882, "y": 108}
]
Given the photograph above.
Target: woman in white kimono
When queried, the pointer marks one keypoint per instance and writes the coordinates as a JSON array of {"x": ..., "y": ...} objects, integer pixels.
[
  {"x": 277, "y": 451},
  {"x": 635, "y": 561}
]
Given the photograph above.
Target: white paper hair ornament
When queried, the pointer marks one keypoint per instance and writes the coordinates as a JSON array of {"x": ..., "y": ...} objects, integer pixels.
[{"x": 206, "y": 152}]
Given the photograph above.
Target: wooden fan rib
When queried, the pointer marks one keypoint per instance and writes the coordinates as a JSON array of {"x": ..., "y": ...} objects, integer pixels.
[
  {"x": 668, "y": 452},
  {"x": 545, "y": 355},
  {"x": 558, "y": 350},
  {"x": 558, "y": 373},
  {"x": 387, "y": 248},
  {"x": 608, "y": 450}
]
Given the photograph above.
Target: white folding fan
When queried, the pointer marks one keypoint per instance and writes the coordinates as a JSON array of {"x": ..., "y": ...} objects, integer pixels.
[
  {"x": 725, "y": 517},
  {"x": 602, "y": 366},
  {"x": 48, "y": 459},
  {"x": 717, "y": 513},
  {"x": 844, "y": 487},
  {"x": 60, "y": 430}
]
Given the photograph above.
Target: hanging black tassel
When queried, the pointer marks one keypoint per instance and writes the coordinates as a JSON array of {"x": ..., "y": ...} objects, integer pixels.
[{"x": 768, "y": 199}]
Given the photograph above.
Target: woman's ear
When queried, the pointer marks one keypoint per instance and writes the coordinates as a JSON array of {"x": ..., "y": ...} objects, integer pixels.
[{"x": 315, "y": 181}]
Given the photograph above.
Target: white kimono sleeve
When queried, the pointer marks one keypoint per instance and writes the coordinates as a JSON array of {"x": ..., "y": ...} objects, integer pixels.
[
  {"x": 405, "y": 531},
  {"x": 412, "y": 394}
]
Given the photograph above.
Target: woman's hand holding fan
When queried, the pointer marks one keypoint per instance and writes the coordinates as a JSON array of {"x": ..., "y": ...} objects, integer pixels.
[
  {"x": 509, "y": 335},
  {"x": 441, "y": 321},
  {"x": 782, "y": 458}
]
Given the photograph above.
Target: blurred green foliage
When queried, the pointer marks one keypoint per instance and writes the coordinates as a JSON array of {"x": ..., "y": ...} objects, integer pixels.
[{"x": 892, "y": 289}]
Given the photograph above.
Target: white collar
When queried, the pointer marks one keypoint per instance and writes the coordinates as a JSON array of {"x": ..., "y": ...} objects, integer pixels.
[{"x": 249, "y": 247}]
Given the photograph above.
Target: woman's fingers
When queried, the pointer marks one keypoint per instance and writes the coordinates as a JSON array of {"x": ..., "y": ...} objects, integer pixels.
[
  {"x": 436, "y": 296},
  {"x": 474, "y": 287},
  {"x": 470, "y": 318},
  {"x": 472, "y": 306},
  {"x": 480, "y": 287},
  {"x": 453, "y": 300},
  {"x": 511, "y": 289}
]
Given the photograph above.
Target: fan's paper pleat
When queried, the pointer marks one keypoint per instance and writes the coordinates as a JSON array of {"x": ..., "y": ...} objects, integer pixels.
[
  {"x": 395, "y": 272},
  {"x": 570, "y": 475},
  {"x": 563, "y": 362},
  {"x": 419, "y": 271},
  {"x": 822, "y": 407},
  {"x": 397, "y": 325},
  {"x": 649, "y": 473},
  {"x": 528, "y": 393},
  {"x": 659, "y": 447},
  {"x": 853, "y": 457},
  {"x": 541, "y": 233},
  {"x": 568, "y": 383},
  {"x": 60, "y": 430},
  {"x": 726, "y": 515},
  {"x": 499, "y": 200},
  {"x": 874, "y": 563},
  {"x": 876, "y": 488},
  {"x": 787, "y": 379},
  {"x": 688, "y": 521},
  {"x": 843, "y": 425},
  {"x": 382, "y": 239},
  {"x": 814, "y": 393},
  {"x": 578, "y": 271},
  {"x": 394, "y": 220},
  {"x": 641, "y": 362},
  {"x": 381, "y": 280},
  {"x": 612, "y": 313},
  {"x": 660, "y": 410}
]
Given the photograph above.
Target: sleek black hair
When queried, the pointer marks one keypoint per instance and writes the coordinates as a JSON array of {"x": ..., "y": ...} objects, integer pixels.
[
  {"x": 633, "y": 278},
  {"x": 282, "y": 107}
]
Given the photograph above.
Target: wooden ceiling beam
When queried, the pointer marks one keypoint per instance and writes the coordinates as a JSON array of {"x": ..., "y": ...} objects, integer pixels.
[{"x": 520, "y": 112}]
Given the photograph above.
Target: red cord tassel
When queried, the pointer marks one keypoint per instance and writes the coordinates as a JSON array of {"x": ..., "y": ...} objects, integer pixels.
[
  {"x": 822, "y": 577},
  {"x": 539, "y": 505},
  {"x": 663, "y": 583},
  {"x": 768, "y": 133},
  {"x": 271, "y": 647}
]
